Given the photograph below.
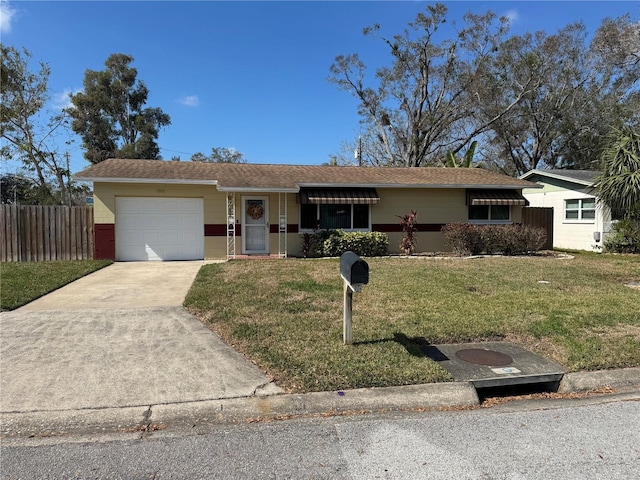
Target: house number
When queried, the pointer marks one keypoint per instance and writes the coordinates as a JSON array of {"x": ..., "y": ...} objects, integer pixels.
[{"x": 160, "y": 190}]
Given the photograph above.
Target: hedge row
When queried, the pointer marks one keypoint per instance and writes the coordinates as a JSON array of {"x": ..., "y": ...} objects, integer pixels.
[
  {"x": 333, "y": 243},
  {"x": 471, "y": 239}
]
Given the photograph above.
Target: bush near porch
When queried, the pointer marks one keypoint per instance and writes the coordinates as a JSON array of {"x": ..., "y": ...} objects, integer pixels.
[{"x": 286, "y": 315}]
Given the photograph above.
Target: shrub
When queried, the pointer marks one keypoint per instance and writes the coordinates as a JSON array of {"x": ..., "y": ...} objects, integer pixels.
[
  {"x": 520, "y": 239},
  {"x": 470, "y": 239},
  {"x": 463, "y": 238},
  {"x": 409, "y": 226},
  {"x": 308, "y": 242},
  {"x": 333, "y": 243},
  {"x": 624, "y": 238}
]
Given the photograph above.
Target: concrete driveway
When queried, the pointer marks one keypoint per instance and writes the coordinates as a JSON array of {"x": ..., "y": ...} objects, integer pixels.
[{"x": 117, "y": 338}]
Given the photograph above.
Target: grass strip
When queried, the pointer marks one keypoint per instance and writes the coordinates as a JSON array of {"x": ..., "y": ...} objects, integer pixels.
[{"x": 23, "y": 282}]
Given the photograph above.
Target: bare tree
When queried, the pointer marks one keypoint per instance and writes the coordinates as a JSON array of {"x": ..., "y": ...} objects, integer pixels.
[{"x": 426, "y": 103}]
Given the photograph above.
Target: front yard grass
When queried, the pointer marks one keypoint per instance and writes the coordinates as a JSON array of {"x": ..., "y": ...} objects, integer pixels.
[
  {"x": 23, "y": 282},
  {"x": 286, "y": 315}
]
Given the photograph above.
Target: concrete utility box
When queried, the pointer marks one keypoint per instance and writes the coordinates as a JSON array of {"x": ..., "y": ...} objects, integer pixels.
[{"x": 354, "y": 270}]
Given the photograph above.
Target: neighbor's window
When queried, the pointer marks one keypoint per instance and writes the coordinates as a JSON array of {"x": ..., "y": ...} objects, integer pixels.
[
  {"x": 489, "y": 212},
  {"x": 580, "y": 209},
  {"x": 346, "y": 216}
]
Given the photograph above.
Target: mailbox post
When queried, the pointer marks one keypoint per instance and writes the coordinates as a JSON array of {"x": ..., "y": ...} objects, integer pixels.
[{"x": 355, "y": 273}]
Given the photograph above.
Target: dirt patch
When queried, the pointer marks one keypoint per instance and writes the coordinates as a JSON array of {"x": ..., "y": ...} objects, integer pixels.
[
  {"x": 542, "y": 346},
  {"x": 619, "y": 331}
]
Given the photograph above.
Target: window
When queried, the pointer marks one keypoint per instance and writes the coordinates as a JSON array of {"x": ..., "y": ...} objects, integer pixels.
[
  {"x": 344, "y": 216},
  {"x": 580, "y": 209},
  {"x": 496, "y": 213}
]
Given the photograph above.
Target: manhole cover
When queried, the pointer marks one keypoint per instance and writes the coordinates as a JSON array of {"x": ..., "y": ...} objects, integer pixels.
[{"x": 480, "y": 356}]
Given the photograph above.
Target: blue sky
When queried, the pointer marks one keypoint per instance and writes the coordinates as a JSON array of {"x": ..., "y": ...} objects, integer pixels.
[{"x": 245, "y": 75}]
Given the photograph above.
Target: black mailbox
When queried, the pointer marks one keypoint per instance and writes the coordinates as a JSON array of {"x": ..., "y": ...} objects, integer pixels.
[{"x": 353, "y": 269}]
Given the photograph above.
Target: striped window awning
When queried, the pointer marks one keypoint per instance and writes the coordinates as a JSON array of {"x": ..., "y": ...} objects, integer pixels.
[
  {"x": 495, "y": 197},
  {"x": 334, "y": 196}
]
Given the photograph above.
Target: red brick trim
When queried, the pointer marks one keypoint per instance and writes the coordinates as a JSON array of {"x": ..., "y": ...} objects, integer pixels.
[
  {"x": 220, "y": 229},
  {"x": 217, "y": 230},
  {"x": 395, "y": 227}
]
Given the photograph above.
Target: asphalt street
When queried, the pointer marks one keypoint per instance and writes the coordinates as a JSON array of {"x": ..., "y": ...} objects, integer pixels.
[{"x": 596, "y": 438}]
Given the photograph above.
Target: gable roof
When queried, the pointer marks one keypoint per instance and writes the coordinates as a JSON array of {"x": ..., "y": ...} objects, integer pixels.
[
  {"x": 581, "y": 177},
  {"x": 290, "y": 178}
]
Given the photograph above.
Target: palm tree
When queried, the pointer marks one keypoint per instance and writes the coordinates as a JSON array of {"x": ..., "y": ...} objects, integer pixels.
[{"x": 619, "y": 184}]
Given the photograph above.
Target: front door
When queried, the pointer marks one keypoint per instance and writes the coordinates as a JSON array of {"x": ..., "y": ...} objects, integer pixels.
[{"x": 255, "y": 223}]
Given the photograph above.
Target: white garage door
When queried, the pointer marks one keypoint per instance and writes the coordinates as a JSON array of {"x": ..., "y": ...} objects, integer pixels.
[{"x": 159, "y": 229}]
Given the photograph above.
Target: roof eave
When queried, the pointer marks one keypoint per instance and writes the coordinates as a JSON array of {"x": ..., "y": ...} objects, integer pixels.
[
  {"x": 544, "y": 173},
  {"x": 174, "y": 181},
  {"x": 418, "y": 185},
  {"x": 258, "y": 189}
]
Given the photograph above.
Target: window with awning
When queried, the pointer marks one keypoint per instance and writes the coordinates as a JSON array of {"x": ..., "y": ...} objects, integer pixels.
[
  {"x": 332, "y": 208},
  {"x": 495, "y": 197},
  {"x": 337, "y": 196}
]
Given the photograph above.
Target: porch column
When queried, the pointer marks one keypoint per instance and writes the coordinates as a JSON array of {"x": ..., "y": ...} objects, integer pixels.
[
  {"x": 282, "y": 224},
  {"x": 231, "y": 225}
]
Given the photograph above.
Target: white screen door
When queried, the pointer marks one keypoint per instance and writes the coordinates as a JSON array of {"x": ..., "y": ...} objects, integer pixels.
[{"x": 255, "y": 232}]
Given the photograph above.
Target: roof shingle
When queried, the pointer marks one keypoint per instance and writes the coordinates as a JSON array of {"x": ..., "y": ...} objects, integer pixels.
[{"x": 248, "y": 176}]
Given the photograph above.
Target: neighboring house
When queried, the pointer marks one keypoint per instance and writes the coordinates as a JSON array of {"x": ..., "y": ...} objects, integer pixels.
[
  {"x": 167, "y": 210},
  {"x": 579, "y": 219}
]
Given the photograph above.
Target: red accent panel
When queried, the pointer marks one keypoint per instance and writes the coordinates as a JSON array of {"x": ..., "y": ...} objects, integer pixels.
[
  {"x": 105, "y": 241},
  {"x": 395, "y": 227},
  {"x": 218, "y": 230}
]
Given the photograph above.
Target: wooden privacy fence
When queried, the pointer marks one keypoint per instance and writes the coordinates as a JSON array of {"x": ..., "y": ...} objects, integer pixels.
[
  {"x": 541, "y": 217},
  {"x": 37, "y": 233}
]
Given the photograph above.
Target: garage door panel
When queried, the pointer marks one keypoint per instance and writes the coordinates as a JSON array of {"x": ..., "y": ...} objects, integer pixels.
[{"x": 159, "y": 229}]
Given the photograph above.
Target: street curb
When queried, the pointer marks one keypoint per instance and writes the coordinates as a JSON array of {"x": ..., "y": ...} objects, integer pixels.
[
  {"x": 428, "y": 396},
  {"x": 584, "y": 381},
  {"x": 135, "y": 420}
]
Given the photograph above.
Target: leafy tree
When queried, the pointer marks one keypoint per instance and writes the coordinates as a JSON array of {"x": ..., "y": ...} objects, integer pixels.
[
  {"x": 29, "y": 134},
  {"x": 612, "y": 99},
  {"x": 425, "y": 103},
  {"x": 581, "y": 91},
  {"x": 220, "y": 155},
  {"x": 17, "y": 190},
  {"x": 110, "y": 114},
  {"x": 619, "y": 185}
]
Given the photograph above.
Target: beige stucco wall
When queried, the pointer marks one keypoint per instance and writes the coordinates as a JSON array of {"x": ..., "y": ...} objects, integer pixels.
[{"x": 434, "y": 206}]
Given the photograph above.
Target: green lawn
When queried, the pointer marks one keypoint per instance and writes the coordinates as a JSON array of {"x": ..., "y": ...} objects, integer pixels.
[
  {"x": 22, "y": 282},
  {"x": 286, "y": 315}
]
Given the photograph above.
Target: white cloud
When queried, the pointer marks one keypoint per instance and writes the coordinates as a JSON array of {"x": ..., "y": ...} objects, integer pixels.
[
  {"x": 189, "y": 101},
  {"x": 6, "y": 16},
  {"x": 512, "y": 16},
  {"x": 61, "y": 100}
]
